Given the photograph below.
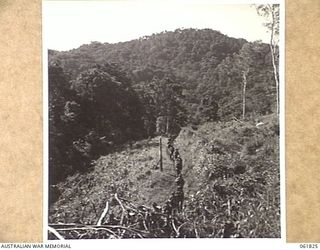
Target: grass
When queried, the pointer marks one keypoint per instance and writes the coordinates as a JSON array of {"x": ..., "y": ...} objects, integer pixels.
[{"x": 232, "y": 179}]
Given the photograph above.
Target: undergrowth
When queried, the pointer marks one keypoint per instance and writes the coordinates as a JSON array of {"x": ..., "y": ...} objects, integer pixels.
[{"x": 231, "y": 170}]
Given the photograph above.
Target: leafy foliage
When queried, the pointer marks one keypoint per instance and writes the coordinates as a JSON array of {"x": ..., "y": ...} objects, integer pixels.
[
  {"x": 88, "y": 116},
  {"x": 232, "y": 184},
  {"x": 234, "y": 177},
  {"x": 105, "y": 99},
  {"x": 202, "y": 63}
]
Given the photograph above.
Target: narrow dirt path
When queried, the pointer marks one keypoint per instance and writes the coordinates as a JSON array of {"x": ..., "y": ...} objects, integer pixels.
[{"x": 160, "y": 183}]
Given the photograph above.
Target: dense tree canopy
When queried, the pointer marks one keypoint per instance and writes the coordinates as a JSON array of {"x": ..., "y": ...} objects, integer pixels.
[
  {"x": 89, "y": 115},
  {"x": 107, "y": 94},
  {"x": 212, "y": 96}
]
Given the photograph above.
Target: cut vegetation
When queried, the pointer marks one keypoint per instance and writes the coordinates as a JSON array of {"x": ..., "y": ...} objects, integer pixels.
[{"x": 109, "y": 104}]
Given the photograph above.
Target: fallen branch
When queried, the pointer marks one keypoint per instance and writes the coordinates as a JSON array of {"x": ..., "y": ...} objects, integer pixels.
[
  {"x": 175, "y": 229},
  {"x": 105, "y": 211},
  {"x": 122, "y": 207},
  {"x": 88, "y": 228},
  {"x": 195, "y": 230},
  {"x": 73, "y": 225},
  {"x": 236, "y": 119},
  {"x": 145, "y": 225},
  {"x": 132, "y": 207},
  {"x": 182, "y": 225},
  {"x": 53, "y": 231},
  {"x": 123, "y": 199},
  {"x": 105, "y": 228}
]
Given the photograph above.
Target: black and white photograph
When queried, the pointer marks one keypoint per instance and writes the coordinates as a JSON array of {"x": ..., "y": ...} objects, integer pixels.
[{"x": 163, "y": 119}]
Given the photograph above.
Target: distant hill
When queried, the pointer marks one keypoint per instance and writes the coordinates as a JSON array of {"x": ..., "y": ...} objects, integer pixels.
[
  {"x": 102, "y": 96},
  {"x": 181, "y": 52},
  {"x": 202, "y": 62}
]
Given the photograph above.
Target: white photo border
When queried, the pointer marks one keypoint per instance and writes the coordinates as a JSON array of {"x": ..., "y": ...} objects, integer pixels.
[{"x": 207, "y": 243}]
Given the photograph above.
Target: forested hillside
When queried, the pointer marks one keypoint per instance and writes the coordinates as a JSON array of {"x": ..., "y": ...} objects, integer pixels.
[
  {"x": 201, "y": 62},
  {"x": 108, "y": 103}
]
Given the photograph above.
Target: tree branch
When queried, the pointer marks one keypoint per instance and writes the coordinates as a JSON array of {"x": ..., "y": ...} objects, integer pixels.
[
  {"x": 70, "y": 227},
  {"x": 122, "y": 207},
  {"x": 105, "y": 211},
  {"x": 53, "y": 231}
]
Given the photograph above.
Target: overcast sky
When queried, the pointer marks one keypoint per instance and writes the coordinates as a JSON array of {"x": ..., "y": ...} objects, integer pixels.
[{"x": 69, "y": 24}]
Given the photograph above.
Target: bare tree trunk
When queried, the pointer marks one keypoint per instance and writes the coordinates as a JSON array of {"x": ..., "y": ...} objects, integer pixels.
[
  {"x": 273, "y": 26},
  {"x": 275, "y": 76},
  {"x": 160, "y": 153},
  {"x": 273, "y": 55},
  {"x": 244, "y": 75},
  {"x": 167, "y": 125}
]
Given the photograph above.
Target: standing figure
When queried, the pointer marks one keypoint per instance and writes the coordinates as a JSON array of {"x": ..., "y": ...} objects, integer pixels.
[
  {"x": 167, "y": 208},
  {"x": 176, "y": 153},
  {"x": 178, "y": 165},
  {"x": 171, "y": 151},
  {"x": 177, "y": 200},
  {"x": 179, "y": 182}
]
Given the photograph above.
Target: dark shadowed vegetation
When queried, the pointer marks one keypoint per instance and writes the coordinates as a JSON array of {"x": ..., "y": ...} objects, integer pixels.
[{"x": 214, "y": 93}]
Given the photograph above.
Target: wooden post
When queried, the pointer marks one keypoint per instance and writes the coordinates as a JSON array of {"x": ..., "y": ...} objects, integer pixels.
[
  {"x": 160, "y": 153},
  {"x": 244, "y": 75}
]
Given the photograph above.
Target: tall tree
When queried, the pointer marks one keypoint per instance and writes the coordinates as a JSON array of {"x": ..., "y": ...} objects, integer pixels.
[
  {"x": 271, "y": 13},
  {"x": 243, "y": 63},
  {"x": 244, "y": 76},
  {"x": 166, "y": 94},
  {"x": 59, "y": 140},
  {"x": 89, "y": 115},
  {"x": 110, "y": 106}
]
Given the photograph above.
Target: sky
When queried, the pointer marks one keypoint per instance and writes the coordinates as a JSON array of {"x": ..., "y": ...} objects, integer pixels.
[{"x": 69, "y": 24}]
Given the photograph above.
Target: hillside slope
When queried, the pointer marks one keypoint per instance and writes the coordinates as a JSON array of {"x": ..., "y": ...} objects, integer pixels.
[
  {"x": 201, "y": 64},
  {"x": 232, "y": 181},
  {"x": 181, "y": 52},
  {"x": 131, "y": 173},
  {"x": 233, "y": 175}
]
